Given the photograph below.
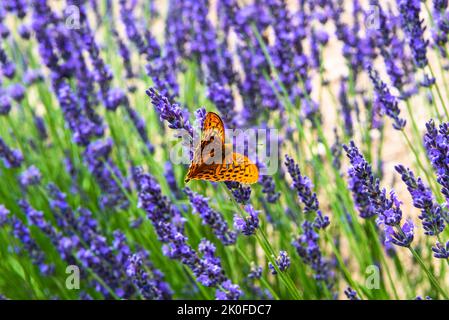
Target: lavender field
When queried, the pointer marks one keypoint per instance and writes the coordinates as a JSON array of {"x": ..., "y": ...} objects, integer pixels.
[{"x": 101, "y": 106}]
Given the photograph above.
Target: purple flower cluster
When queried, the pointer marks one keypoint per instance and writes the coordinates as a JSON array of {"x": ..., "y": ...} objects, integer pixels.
[
  {"x": 431, "y": 212},
  {"x": 441, "y": 28},
  {"x": 385, "y": 101},
  {"x": 249, "y": 224},
  {"x": 82, "y": 242},
  {"x": 28, "y": 246},
  {"x": 351, "y": 294},
  {"x": 12, "y": 158},
  {"x": 361, "y": 179},
  {"x": 150, "y": 288},
  {"x": 308, "y": 248},
  {"x": 441, "y": 250},
  {"x": 401, "y": 236},
  {"x": 176, "y": 117},
  {"x": 107, "y": 174},
  {"x": 169, "y": 226},
  {"x": 414, "y": 29},
  {"x": 29, "y": 177},
  {"x": 436, "y": 142},
  {"x": 7, "y": 66},
  {"x": 240, "y": 192},
  {"x": 269, "y": 189},
  {"x": 372, "y": 201},
  {"x": 282, "y": 263},
  {"x": 303, "y": 186},
  {"x": 210, "y": 217}
]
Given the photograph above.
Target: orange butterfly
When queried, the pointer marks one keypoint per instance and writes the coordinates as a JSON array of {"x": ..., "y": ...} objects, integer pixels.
[{"x": 215, "y": 161}]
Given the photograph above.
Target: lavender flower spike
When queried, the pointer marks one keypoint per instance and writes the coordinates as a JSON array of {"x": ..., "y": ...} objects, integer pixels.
[
  {"x": 172, "y": 113},
  {"x": 441, "y": 250},
  {"x": 431, "y": 212},
  {"x": 414, "y": 30},
  {"x": 249, "y": 224},
  {"x": 351, "y": 294},
  {"x": 302, "y": 185},
  {"x": 361, "y": 179},
  {"x": 29, "y": 177},
  {"x": 149, "y": 288},
  {"x": 12, "y": 158},
  {"x": 436, "y": 142},
  {"x": 403, "y": 237},
  {"x": 385, "y": 101},
  {"x": 282, "y": 262},
  {"x": 211, "y": 217}
]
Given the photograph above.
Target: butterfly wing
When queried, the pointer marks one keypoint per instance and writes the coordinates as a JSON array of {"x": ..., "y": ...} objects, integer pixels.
[
  {"x": 212, "y": 139},
  {"x": 239, "y": 168},
  {"x": 213, "y": 127}
]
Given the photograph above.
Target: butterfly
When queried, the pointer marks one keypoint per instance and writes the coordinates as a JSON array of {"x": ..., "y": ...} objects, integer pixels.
[{"x": 214, "y": 160}]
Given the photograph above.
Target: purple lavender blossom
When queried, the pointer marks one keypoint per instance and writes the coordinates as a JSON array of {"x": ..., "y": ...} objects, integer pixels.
[
  {"x": 241, "y": 193},
  {"x": 211, "y": 217},
  {"x": 39, "y": 123},
  {"x": 441, "y": 27},
  {"x": 32, "y": 76},
  {"x": 361, "y": 179},
  {"x": 7, "y": 67},
  {"x": 441, "y": 250},
  {"x": 22, "y": 233},
  {"x": 282, "y": 262},
  {"x": 229, "y": 291},
  {"x": 255, "y": 272},
  {"x": 414, "y": 29},
  {"x": 391, "y": 215},
  {"x": 346, "y": 108},
  {"x": 224, "y": 101},
  {"x": 17, "y": 92},
  {"x": 29, "y": 177},
  {"x": 5, "y": 104},
  {"x": 303, "y": 186},
  {"x": 269, "y": 189},
  {"x": 24, "y": 31},
  {"x": 211, "y": 274},
  {"x": 19, "y": 7},
  {"x": 402, "y": 237},
  {"x": 97, "y": 158},
  {"x": 436, "y": 142},
  {"x": 170, "y": 177},
  {"x": 115, "y": 98},
  {"x": 169, "y": 226},
  {"x": 249, "y": 224},
  {"x": 83, "y": 128},
  {"x": 431, "y": 212},
  {"x": 125, "y": 55},
  {"x": 421, "y": 298},
  {"x": 149, "y": 288},
  {"x": 172, "y": 113},
  {"x": 12, "y": 158},
  {"x": 308, "y": 248},
  {"x": 351, "y": 294},
  {"x": 385, "y": 101},
  {"x": 200, "y": 115},
  {"x": 336, "y": 150}
]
